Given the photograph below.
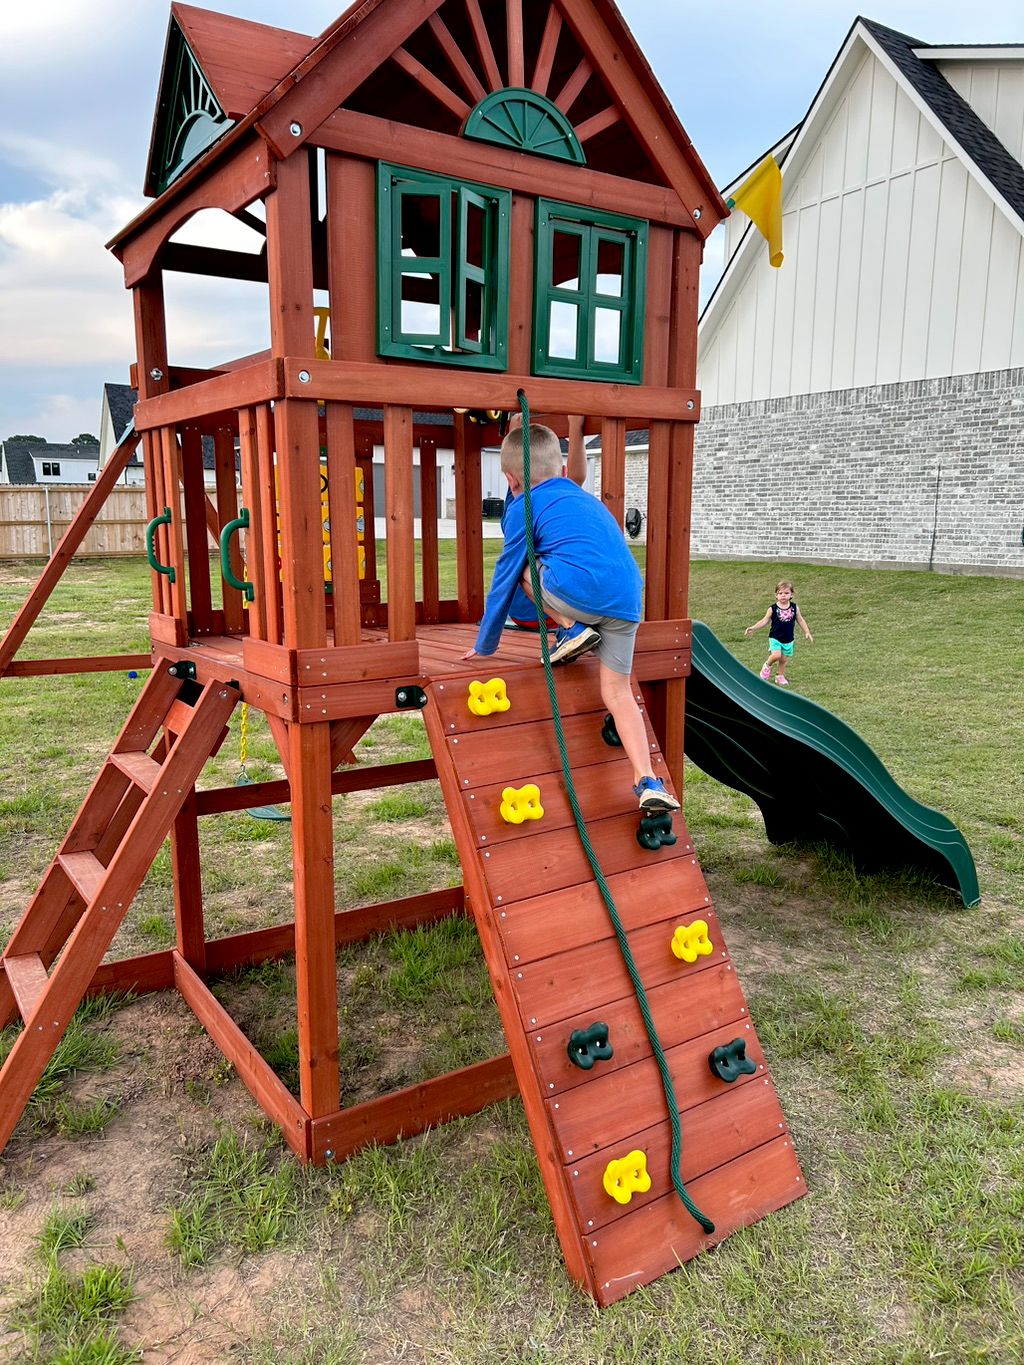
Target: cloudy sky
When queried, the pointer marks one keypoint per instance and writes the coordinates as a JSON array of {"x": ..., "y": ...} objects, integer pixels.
[{"x": 76, "y": 106}]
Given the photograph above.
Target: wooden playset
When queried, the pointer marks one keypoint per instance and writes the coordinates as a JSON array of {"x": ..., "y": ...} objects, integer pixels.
[{"x": 492, "y": 196}]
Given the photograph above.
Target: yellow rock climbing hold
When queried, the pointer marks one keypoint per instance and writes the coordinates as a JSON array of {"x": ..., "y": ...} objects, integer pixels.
[
  {"x": 521, "y": 803},
  {"x": 486, "y": 698},
  {"x": 691, "y": 941},
  {"x": 626, "y": 1177}
]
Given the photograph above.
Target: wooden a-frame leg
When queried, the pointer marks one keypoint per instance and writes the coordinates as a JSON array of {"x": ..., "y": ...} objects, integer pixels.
[
  {"x": 309, "y": 767},
  {"x": 188, "y": 886}
]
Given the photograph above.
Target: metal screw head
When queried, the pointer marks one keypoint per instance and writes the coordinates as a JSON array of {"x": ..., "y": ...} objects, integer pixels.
[
  {"x": 303, "y": 376},
  {"x": 689, "y": 404},
  {"x": 696, "y": 214},
  {"x": 401, "y": 694},
  {"x": 156, "y": 374},
  {"x": 296, "y": 131}
]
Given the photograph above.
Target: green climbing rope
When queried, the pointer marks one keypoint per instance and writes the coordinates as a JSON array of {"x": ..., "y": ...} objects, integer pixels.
[{"x": 595, "y": 866}]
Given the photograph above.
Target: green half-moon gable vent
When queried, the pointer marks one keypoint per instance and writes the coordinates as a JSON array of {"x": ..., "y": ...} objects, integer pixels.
[
  {"x": 189, "y": 118},
  {"x": 526, "y": 122}
]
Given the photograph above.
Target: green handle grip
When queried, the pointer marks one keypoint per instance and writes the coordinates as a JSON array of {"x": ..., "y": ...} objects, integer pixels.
[
  {"x": 154, "y": 563},
  {"x": 240, "y": 523}
]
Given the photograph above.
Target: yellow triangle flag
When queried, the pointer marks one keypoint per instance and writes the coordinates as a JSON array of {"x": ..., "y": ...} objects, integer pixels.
[{"x": 760, "y": 198}]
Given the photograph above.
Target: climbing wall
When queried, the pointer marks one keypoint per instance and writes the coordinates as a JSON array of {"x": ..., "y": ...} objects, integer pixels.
[{"x": 557, "y": 969}]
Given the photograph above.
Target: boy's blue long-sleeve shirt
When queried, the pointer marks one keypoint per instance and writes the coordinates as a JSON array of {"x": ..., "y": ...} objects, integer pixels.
[{"x": 587, "y": 564}]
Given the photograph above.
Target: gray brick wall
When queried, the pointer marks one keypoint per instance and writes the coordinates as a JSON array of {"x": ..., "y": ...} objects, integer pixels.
[{"x": 927, "y": 473}]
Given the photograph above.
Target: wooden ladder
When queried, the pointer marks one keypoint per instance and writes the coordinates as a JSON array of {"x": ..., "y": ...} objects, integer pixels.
[{"x": 87, "y": 889}]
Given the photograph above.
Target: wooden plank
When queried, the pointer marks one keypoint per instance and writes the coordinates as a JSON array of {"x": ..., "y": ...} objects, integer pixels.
[
  {"x": 309, "y": 764},
  {"x": 634, "y": 1251},
  {"x": 658, "y": 310},
  {"x": 658, "y": 473},
  {"x": 430, "y": 84},
  {"x": 341, "y": 494},
  {"x": 258, "y": 1077},
  {"x": 375, "y": 139},
  {"x": 558, "y": 922},
  {"x": 455, "y": 58},
  {"x": 603, "y": 1114},
  {"x": 514, "y": 38},
  {"x": 186, "y": 869},
  {"x": 106, "y": 663},
  {"x": 483, "y": 45},
  {"x": 479, "y": 901},
  {"x": 357, "y": 779},
  {"x": 398, "y": 495},
  {"x": 320, "y": 667},
  {"x": 252, "y": 496},
  {"x": 172, "y": 534},
  {"x": 227, "y": 510},
  {"x": 569, "y": 92},
  {"x": 26, "y": 978},
  {"x": 138, "y": 768},
  {"x": 413, "y": 1110},
  {"x": 351, "y": 243},
  {"x": 258, "y": 383},
  {"x": 195, "y": 504},
  {"x": 84, "y": 871},
  {"x": 431, "y": 389},
  {"x": 597, "y": 123},
  {"x": 72, "y": 538},
  {"x": 290, "y": 260},
  {"x": 546, "y": 52},
  {"x": 267, "y": 542},
  {"x": 738, "y": 1120},
  {"x": 578, "y": 690},
  {"x": 469, "y": 519},
  {"x": 428, "y": 530},
  {"x": 302, "y": 559},
  {"x": 520, "y": 285},
  {"x": 613, "y": 466},
  {"x": 711, "y": 1000},
  {"x": 589, "y": 978}
]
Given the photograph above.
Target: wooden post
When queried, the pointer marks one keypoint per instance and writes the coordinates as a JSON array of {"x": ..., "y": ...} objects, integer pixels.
[
  {"x": 196, "y": 534},
  {"x": 188, "y": 886},
  {"x": 153, "y": 379},
  {"x": 469, "y": 519},
  {"x": 227, "y": 510},
  {"x": 398, "y": 494},
  {"x": 341, "y": 494},
  {"x": 259, "y": 530},
  {"x": 613, "y": 466},
  {"x": 428, "y": 529}
]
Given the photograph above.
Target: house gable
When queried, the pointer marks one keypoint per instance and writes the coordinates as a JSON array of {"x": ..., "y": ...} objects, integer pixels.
[{"x": 902, "y": 260}]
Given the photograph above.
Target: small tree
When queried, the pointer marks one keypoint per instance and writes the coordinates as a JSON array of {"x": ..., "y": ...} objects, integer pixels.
[{"x": 84, "y": 439}]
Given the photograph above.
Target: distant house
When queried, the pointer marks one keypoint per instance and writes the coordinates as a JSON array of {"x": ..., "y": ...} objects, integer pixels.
[
  {"x": 865, "y": 402},
  {"x": 31, "y": 462},
  {"x": 116, "y": 413}
]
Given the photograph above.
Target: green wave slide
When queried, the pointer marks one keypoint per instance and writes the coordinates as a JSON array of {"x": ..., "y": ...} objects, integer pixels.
[{"x": 813, "y": 777}]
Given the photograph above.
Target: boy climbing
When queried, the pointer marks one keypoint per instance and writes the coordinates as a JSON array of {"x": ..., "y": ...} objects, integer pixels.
[
  {"x": 783, "y": 616},
  {"x": 590, "y": 585}
]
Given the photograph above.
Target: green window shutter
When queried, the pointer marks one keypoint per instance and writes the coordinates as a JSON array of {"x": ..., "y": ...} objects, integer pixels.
[
  {"x": 589, "y": 294},
  {"x": 442, "y": 269}
]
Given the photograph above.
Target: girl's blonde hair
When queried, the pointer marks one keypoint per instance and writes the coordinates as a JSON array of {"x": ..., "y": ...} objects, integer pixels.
[
  {"x": 545, "y": 454},
  {"x": 784, "y": 583}
]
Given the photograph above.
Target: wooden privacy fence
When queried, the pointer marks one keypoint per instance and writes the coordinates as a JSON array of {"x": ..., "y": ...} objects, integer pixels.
[{"x": 33, "y": 519}]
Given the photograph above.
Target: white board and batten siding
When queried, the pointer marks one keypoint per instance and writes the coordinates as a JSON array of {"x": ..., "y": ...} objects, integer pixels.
[{"x": 899, "y": 265}]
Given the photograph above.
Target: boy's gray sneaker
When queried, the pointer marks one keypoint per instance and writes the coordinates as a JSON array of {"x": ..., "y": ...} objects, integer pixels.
[{"x": 572, "y": 641}]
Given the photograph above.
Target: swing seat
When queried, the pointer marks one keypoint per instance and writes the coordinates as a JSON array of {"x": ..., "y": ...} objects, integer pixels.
[{"x": 259, "y": 812}]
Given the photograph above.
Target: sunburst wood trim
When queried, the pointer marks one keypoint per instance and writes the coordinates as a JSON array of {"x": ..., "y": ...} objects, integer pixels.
[
  {"x": 546, "y": 55},
  {"x": 430, "y": 83},
  {"x": 567, "y": 96},
  {"x": 483, "y": 44},
  {"x": 514, "y": 30},
  {"x": 456, "y": 59},
  {"x": 598, "y": 123}
]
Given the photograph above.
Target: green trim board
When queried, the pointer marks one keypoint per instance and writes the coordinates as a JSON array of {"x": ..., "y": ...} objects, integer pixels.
[
  {"x": 813, "y": 777},
  {"x": 589, "y": 288},
  {"x": 189, "y": 117},
  {"x": 525, "y": 122},
  {"x": 442, "y": 269}
]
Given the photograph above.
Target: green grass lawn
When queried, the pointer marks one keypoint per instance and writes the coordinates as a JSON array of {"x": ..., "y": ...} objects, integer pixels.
[{"x": 893, "y": 1020}]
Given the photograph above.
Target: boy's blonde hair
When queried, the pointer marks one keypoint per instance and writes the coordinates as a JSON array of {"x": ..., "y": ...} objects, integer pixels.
[{"x": 545, "y": 454}]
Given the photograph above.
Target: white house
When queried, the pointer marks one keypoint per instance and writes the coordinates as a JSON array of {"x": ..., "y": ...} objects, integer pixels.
[
  {"x": 31, "y": 462},
  {"x": 865, "y": 402}
]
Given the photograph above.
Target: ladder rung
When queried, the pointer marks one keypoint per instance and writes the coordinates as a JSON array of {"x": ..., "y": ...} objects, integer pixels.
[
  {"x": 140, "y": 768},
  {"x": 179, "y": 717},
  {"x": 85, "y": 872},
  {"x": 27, "y": 978}
]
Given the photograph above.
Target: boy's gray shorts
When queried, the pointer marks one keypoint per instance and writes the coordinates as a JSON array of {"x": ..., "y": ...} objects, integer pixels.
[{"x": 617, "y": 637}]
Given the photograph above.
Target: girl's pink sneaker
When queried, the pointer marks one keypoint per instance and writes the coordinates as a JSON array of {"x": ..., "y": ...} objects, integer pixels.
[
  {"x": 766, "y": 672},
  {"x": 783, "y": 682}
]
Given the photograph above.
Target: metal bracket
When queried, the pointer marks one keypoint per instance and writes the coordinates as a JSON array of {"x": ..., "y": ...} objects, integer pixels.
[
  {"x": 410, "y": 698},
  {"x": 184, "y": 669}
]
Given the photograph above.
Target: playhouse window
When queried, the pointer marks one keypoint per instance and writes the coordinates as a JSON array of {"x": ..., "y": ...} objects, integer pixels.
[
  {"x": 590, "y": 278},
  {"x": 442, "y": 269}
]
